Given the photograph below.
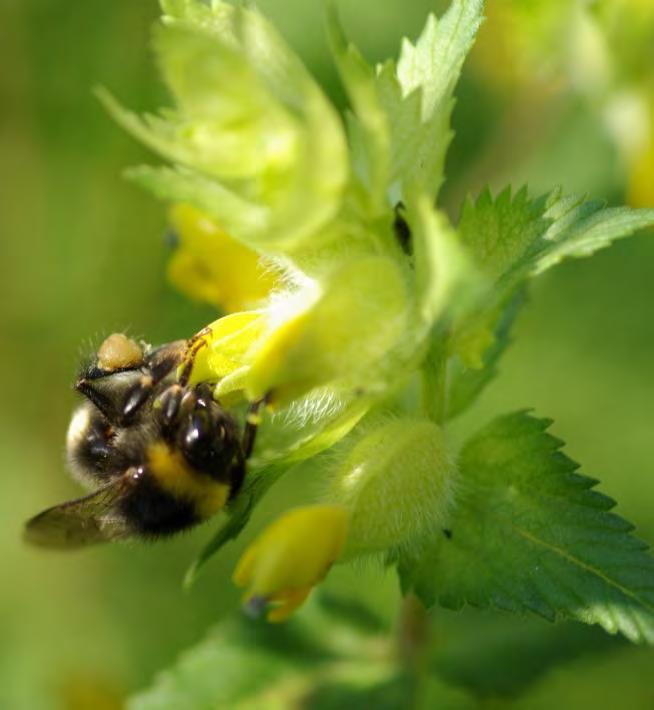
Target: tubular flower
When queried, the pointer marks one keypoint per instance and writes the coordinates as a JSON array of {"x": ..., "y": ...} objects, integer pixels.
[
  {"x": 209, "y": 266},
  {"x": 289, "y": 558}
]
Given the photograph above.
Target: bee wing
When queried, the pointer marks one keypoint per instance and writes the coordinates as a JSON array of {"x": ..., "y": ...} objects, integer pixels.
[{"x": 83, "y": 521}]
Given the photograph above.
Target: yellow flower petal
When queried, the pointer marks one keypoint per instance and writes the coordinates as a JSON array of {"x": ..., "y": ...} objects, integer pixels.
[
  {"x": 226, "y": 343},
  {"x": 291, "y": 556},
  {"x": 343, "y": 331},
  {"x": 640, "y": 191},
  {"x": 210, "y": 266},
  {"x": 287, "y": 605}
]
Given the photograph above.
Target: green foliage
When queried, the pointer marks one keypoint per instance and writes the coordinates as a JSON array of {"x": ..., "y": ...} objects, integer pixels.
[
  {"x": 336, "y": 653},
  {"x": 68, "y": 649},
  {"x": 420, "y": 110},
  {"x": 511, "y": 238},
  {"x": 467, "y": 383},
  {"x": 253, "y": 141},
  {"x": 530, "y": 534},
  {"x": 401, "y": 122},
  {"x": 580, "y": 228}
]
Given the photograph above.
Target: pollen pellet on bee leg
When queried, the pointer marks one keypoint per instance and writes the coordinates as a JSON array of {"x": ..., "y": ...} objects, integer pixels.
[{"x": 119, "y": 352}]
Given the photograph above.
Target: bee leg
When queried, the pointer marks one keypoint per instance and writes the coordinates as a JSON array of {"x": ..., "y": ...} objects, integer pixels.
[
  {"x": 162, "y": 363},
  {"x": 193, "y": 347},
  {"x": 252, "y": 421},
  {"x": 236, "y": 476},
  {"x": 168, "y": 406},
  {"x": 165, "y": 359},
  {"x": 203, "y": 395}
]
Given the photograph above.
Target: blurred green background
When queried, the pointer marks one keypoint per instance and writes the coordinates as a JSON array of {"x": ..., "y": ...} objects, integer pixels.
[{"x": 82, "y": 255}]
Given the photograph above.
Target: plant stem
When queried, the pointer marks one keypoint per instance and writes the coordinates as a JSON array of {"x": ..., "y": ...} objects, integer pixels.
[
  {"x": 434, "y": 382},
  {"x": 413, "y": 637}
]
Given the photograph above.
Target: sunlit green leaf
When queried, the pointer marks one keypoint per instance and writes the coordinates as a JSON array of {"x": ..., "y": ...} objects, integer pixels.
[
  {"x": 580, "y": 228},
  {"x": 417, "y": 96},
  {"x": 530, "y": 534},
  {"x": 511, "y": 238},
  {"x": 400, "y": 128}
]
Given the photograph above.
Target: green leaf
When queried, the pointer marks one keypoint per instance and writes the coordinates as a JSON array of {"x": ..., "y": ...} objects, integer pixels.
[
  {"x": 368, "y": 124},
  {"x": 530, "y": 534},
  {"x": 234, "y": 666},
  {"x": 445, "y": 277},
  {"x": 417, "y": 96},
  {"x": 323, "y": 658},
  {"x": 580, "y": 228},
  {"x": 250, "y": 664},
  {"x": 465, "y": 384},
  {"x": 503, "y": 231},
  {"x": 400, "y": 127},
  {"x": 511, "y": 238},
  {"x": 235, "y": 214}
]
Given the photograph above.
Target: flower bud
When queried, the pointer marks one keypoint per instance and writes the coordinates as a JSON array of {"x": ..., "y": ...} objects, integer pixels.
[
  {"x": 291, "y": 556},
  {"x": 396, "y": 484}
]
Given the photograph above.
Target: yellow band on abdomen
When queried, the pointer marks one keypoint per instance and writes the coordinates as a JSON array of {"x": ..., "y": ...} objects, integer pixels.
[{"x": 174, "y": 474}]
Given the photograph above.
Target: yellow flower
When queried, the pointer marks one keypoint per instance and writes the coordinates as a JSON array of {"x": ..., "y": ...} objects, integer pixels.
[
  {"x": 209, "y": 266},
  {"x": 341, "y": 329},
  {"x": 640, "y": 190},
  {"x": 291, "y": 556}
]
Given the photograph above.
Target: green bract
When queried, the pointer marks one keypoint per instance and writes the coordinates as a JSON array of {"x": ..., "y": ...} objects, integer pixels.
[
  {"x": 387, "y": 319},
  {"x": 253, "y": 140}
]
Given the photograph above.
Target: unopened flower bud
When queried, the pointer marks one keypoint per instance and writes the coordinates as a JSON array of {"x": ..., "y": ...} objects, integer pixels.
[{"x": 396, "y": 484}]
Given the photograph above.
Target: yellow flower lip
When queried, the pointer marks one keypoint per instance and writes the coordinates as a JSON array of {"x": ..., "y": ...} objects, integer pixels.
[
  {"x": 289, "y": 558},
  {"x": 209, "y": 266}
]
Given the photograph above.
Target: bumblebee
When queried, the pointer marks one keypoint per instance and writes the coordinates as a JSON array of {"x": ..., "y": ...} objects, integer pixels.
[{"x": 161, "y": 456}]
